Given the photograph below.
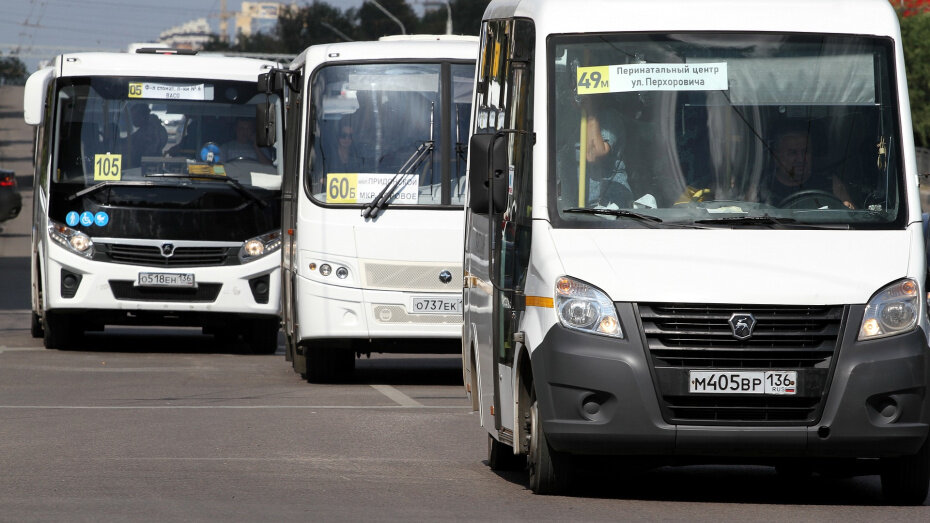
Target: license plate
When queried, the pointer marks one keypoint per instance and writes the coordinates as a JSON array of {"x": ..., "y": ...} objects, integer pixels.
[
  {"x": 775, "y": 382},
  {"x": 166, "y": 279},
  {"x": 436, "y": 305}
]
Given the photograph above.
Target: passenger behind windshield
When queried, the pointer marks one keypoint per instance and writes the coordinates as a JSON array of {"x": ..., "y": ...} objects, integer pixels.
[{"x": 150, "y": 136}]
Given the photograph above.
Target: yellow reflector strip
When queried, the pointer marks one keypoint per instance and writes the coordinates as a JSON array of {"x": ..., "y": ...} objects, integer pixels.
[{"x": 539, "y": 301}]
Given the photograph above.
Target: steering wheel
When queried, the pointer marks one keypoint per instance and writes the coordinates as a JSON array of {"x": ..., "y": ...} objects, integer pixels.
[{"x": 812, "y": 199}]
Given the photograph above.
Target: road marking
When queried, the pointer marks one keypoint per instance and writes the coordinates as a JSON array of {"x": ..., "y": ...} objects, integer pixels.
[
  {"x": 17, "y": 349},
  {"x": 228, "y": 407},
  {"x": 396, "y": 395}
]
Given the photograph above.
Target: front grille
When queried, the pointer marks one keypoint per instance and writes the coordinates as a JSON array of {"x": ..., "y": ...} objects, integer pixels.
[
  {"x": 150, "y": 255},
  {"x": 684, "y": 337},
  {"x": 410, "y": 277},
  {"x": 127, "y": 290}
]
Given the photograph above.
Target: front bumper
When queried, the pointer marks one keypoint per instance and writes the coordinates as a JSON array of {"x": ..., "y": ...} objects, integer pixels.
[
  {"x": 332, "y": 311},
  {"x": 597, "y": 395},
  {"x": 110, "y": 287}
]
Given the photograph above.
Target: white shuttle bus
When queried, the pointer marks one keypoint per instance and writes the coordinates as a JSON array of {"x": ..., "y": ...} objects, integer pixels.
[
  {"x": 693, "y": 234},
  {"x": 154, "y": 205},
  {"x": 376, "y": 146}
]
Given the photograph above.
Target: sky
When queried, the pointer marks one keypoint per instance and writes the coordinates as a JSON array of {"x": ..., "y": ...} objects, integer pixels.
[{"x": 41, "y": 29}]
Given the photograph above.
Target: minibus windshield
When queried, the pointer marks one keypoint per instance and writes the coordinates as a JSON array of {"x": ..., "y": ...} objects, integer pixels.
[
  {"x": 125, "y": 134},
  {"x": 381, "y": 125},
  {"x": 721, "y": 129}
]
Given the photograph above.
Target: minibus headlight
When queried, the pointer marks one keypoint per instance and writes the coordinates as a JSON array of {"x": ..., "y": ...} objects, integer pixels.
[
  {"x": 892, "y": 310},
  {"x": 74, "y": 240},
  {"x": 585, "y": 308},
  {"x": 255, "y": 248}
]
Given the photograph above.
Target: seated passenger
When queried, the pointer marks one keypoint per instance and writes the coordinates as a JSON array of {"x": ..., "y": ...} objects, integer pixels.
[
  {"x": 344, "y": 158},
  {"x": 150, "y": 136}
]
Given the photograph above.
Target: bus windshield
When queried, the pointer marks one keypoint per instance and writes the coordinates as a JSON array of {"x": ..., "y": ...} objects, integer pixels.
[
  {"x": 126, "y": 132},
  {"x": 382, "y": 124},
  {"x": 724, "y": 129}
]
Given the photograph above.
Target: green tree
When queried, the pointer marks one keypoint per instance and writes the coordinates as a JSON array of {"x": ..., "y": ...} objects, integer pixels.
[
  {"x": 915, "y": 33},
  {"x": 12, "y": 70}
]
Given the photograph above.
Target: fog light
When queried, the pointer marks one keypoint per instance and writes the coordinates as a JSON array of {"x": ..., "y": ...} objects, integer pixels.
[{"x": 342, "y": 272}]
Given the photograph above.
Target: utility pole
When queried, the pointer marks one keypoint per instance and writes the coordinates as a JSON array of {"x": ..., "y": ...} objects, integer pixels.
[{"x": 403, "y": 30}]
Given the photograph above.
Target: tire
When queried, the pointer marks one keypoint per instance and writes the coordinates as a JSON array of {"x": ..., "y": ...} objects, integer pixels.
[
  {"x": 36, "y": 327},
  {"x": 328, "y": 364},
  {"x": 262, "y": 336},
  {"x": 501, "y": 456},
  {"x": 61, "y": 332},
  {"x": 906, "y": 479},
  {"x": 549, "y": 471}
]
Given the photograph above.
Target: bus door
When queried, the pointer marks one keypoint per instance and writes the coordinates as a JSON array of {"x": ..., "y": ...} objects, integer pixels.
[{"x": 504, "y": 124}]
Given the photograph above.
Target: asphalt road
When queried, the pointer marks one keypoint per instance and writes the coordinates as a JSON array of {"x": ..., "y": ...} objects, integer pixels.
[{"x": 164, "y": 425}]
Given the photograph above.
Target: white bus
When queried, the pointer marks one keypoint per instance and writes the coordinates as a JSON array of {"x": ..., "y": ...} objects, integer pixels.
[
  {"x": 153, "y": 203},
  {"x": 372, "y": 257},
  {"x": 693, "y": 234}
]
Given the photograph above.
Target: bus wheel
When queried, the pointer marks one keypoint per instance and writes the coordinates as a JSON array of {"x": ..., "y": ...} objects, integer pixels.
[
  {"x": 501, "y": 456},
  {"x": 549, "y": 471},
  {"x": 36, "y": 328},
  {"x": 61, "y": 332},
  {"x": 906, "y": 480},
  {"x": 262, "y": 336}
]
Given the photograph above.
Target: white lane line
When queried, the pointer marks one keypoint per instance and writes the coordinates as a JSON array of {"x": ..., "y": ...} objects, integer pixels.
[
  {"x": 396, "y": 395},
  {"x": 228, "y": 407},
  {"x": 17, "y": 349}
]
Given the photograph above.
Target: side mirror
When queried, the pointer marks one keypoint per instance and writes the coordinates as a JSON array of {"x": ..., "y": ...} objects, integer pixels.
[
  {"x": 34, "y": 95},
  {"x": 272, "y": 81},
  {"x": 265, "y": 124},
  {"x": 488, "y": 175}
]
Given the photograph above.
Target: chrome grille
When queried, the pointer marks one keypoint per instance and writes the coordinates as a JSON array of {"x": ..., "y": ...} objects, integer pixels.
[
  {"x": 684, "y": 337},
  {"x": 410, "y": 277},
  {"x": 151, "y": 255}
]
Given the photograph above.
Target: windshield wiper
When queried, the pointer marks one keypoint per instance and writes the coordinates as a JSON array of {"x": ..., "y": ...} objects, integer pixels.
[
  {"x": 615, "y": 212},
  {"x": 218, "y": 177},
  {"x": 424, "y": 150},
  {"x": 775, "y": 221}
]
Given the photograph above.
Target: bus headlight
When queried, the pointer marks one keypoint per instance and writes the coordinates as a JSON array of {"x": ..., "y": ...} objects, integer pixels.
[
  {"x": 892, "y": 310},
  {"x": 73, "y": 240},
  {"x": 583, "y": 307},
  {"x": 255, "y": 248}
]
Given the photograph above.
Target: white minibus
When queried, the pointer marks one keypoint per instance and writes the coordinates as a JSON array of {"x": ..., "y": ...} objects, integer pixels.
[
  {"x": 153, "y": 203},
  {"x": 693, "y": 234},
  {"x": 376, "y": 143}
]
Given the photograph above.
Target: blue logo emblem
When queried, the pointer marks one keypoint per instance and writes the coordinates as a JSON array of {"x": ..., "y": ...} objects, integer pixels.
[
  {"x": 101, "y": 219},
  {"x": 72, "y": 218},
  {"x": 87, "y": 219}
]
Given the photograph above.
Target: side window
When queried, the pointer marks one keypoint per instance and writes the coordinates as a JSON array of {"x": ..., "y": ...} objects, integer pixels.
[{"x": 44, "y": 137}]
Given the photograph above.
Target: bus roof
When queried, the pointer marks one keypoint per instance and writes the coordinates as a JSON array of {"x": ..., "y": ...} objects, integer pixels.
[
  {"x": 874, "y": 17},
  {"x": 412, "y": 47},
  {"x": 159, "y": 65}
]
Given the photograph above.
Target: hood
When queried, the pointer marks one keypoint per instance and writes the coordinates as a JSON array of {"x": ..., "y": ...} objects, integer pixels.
[{"x": 798, "y": 267}]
